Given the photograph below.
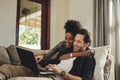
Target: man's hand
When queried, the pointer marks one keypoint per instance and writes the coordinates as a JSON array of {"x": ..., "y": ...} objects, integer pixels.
[
  {"x": 38, "y": 58},
  {"x": 59, "y": 71},
  {"x": 54, "y": 67}
]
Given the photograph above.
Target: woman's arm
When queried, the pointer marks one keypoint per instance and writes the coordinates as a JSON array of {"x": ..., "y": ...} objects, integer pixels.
[
  {"x": 76, "y": 54},
  {"x": 53, "y": 51},
  {"x": 49, "y": 54}
]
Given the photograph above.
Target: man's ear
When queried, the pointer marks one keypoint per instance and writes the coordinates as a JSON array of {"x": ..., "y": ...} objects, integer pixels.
[{"x": 87, "y": 44}]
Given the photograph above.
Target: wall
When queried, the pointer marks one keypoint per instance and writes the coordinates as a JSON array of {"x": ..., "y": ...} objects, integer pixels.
[
  {"x": 61, "y": 11},
  {"x": 82, "y": 10},
  {"x": 59, "y": 15},
  {"x": 7, "y": 22}
]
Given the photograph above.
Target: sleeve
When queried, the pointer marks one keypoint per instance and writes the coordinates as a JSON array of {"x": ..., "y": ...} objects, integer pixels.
[
  {"x": 53, "y": 51},
  {"x": 88, "y": 68},
  {"x": 92, "y": 51}
]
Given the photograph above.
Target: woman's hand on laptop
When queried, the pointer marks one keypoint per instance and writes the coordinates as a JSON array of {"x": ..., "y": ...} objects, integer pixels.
[{"x": 38, "y": 58}]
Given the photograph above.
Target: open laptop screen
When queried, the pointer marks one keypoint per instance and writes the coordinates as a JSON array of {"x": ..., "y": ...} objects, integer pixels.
[{"x": 27, "y": 59}]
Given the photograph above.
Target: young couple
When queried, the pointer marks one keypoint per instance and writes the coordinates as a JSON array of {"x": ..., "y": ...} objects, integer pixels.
[{"x": 76, "y": 44}]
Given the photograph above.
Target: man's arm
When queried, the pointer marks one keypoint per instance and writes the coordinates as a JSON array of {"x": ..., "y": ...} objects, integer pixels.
[
  {"x": 85, "y": 72},
  {"x": 63, "y": 74}
]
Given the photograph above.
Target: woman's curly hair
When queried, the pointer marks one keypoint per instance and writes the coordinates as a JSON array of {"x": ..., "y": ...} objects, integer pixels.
[{"x": 72, "y": 26}]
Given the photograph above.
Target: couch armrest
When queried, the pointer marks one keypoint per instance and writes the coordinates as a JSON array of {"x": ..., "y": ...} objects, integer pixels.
[{"x": 29, "y": 78}]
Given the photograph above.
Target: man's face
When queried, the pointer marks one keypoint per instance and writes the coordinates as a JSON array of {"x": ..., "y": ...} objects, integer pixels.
[{"x": 78, "y": 44}]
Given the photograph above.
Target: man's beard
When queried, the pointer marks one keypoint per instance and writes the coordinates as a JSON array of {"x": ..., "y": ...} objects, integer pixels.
[
  {"x": 77, "y": 49},
  {"x": 80, "y": 50}
]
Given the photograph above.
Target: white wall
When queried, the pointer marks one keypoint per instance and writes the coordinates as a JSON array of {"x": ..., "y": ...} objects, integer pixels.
[
  {"x": 59, "y": 15},
  {"x": 7, "y": 22},
  {"x": 82, "y": 10},
  {"x": 61, "y": 11}
]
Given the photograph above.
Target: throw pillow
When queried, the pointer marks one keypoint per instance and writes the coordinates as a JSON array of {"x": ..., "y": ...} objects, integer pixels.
[
  {"x": 4, "y": 57},
  {"x": 14, "y": 57},
  {"x": 107, "y": 68},
  {"x": 100, "y": 57},
  {"x": 109, "y": 74}
]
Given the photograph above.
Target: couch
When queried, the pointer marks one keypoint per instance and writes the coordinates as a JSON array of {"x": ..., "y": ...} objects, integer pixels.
[{"x": 104, "y": 69}]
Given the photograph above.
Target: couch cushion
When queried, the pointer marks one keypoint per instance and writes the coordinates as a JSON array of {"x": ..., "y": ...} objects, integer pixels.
[
  {"x": 100, "y": 57},
  {"x": 4, "y": 57},
  {"x": 13, "y": 54}
]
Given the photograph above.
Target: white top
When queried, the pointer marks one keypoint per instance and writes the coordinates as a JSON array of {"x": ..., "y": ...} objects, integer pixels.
[{"x": 67, "y": 64}]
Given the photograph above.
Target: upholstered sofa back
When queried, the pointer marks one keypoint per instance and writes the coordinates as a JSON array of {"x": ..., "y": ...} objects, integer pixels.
[
  {"x": 9, "y": 55},
  {"x": 104, "y": 69}
]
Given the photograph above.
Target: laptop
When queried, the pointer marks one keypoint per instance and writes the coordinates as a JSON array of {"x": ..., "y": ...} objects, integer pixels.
[{"x": 28, "y": 60}]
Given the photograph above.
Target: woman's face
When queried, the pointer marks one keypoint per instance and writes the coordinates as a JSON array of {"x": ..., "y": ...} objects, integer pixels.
[{"x": 69, "y": 39}]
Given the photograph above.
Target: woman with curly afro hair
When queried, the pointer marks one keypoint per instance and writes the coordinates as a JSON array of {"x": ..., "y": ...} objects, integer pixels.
[{"x": 64, "y": 48}]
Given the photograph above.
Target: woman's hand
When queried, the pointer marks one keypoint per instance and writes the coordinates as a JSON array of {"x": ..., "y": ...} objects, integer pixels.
[{"x": 38, "y": 58}]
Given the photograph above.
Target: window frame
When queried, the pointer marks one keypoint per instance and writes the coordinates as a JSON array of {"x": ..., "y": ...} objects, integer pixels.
[{"x": 45, "y": 23}]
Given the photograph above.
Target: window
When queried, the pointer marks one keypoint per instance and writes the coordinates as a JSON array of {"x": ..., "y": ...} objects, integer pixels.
[{"x": 33, "y": 28}]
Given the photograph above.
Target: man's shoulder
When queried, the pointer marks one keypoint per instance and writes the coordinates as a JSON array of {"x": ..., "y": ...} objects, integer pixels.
[
  {"x": 90, "y": 59},
  {"x": 87, "y": 58}
]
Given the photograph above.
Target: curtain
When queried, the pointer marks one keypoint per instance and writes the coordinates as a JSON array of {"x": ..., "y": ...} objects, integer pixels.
[
  {"x": 107, "y": 28},
  {"x": 101, "y": 25},
  {"x": 116, "y": 37}
]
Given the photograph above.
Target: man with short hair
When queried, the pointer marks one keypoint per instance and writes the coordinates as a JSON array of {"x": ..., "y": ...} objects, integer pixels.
[{"x": 83, "y": 67}]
